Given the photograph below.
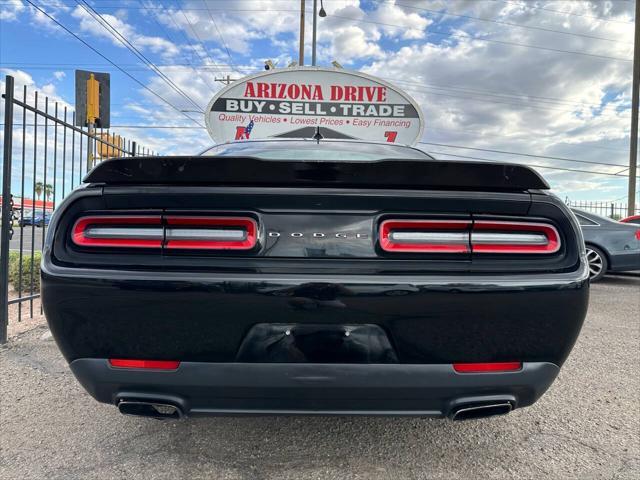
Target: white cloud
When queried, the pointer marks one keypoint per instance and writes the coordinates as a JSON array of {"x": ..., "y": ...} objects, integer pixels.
[
  {"x": 10, "y": 10},
  {"x": 155, "y": 44},
  {"x": 59, "y": 75},
  {"x": 507, "y": 97}
]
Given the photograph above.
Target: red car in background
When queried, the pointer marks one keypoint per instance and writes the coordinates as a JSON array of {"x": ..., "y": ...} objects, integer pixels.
[{"x": 632, "y": 219}]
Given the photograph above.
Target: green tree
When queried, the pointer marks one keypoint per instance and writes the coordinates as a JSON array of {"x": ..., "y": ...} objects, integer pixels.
[
  {"x": 48, "y": 191},
  {"x": 38, "y": 189}
]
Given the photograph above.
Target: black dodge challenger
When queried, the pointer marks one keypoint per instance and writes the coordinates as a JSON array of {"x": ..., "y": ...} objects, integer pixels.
[{"x": 314, "y": 277}]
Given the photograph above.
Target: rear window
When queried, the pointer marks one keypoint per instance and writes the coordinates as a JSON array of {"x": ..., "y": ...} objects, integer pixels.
[{"x": 313, "y": 151}]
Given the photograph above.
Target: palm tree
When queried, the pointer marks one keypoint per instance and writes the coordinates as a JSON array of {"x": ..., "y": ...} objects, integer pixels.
[
  {"x": 38, "y": 189},
  {"x": 48, "y": 191}
]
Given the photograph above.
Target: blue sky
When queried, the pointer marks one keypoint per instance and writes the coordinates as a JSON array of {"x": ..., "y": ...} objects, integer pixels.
[{"x": 548, "y": 78}]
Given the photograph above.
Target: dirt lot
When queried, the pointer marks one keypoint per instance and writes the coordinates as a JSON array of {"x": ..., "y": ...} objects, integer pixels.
[{"x": 586, "y": 426}]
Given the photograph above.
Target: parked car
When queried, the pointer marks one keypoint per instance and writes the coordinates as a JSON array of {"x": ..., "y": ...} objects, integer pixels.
[
  {"x": 632, "y": 219},
  {"x": 611, "y": 246},
  {"x": 39, "y": 220},
  {"x": 314, "y": 277}
]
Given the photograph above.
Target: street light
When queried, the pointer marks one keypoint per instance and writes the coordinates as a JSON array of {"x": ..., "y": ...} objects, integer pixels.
[{"x": 322, "y": 12}]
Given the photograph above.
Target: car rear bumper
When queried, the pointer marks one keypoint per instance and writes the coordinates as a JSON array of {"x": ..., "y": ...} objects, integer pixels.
[
  {"x": 202, "y": 317},
  {"x": 198, "y": 388}
]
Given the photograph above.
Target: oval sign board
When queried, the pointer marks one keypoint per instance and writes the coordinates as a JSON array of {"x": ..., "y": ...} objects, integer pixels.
[{"x": 294, "y": 102}]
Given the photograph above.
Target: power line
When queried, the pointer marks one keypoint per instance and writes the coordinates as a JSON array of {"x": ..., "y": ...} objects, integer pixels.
[
  {"x": 193, "y": 47},
  {"x": 30, "y": 2},
  {"x": 224, "y": 44},
  {"x": 564, "y": 12},
  {"x": 482, "y": 39},
  {"x": 500, "y": 22},
  {"x": 122, "y": 39},
  {"x": 197, "y": 72},
  {"x": 531, "y": 165},
  {"x": 464, "y": 90},
  {"x": 195, "y": 33},
  {"x": 492, "y": 101},
  {"x": 481, "y": 134},
  {"x": 497, "y": 94},
  {"x": 529, "y": 155}
]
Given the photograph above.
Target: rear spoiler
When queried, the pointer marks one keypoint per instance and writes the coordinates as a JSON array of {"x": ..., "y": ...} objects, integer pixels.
[{"x": 250, "y": 171}]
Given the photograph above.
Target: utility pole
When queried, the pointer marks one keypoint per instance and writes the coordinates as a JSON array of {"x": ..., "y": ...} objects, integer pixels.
[
  {"x": 313, "y": 41},
  {"x": 301, "y": 56},
  {"x": 633, "y": 143}
]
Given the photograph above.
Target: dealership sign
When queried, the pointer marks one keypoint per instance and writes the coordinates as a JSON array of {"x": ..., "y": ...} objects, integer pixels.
[{"x": 296, "y": 102}]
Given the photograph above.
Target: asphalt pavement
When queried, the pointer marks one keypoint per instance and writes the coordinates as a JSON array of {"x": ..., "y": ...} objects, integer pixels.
[{"x": 586, "y": 426}]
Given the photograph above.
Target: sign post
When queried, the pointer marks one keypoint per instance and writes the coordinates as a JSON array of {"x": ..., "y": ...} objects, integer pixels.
[
  {"x": 301, "y": 102},
  {"x": 93, "y": 113}
]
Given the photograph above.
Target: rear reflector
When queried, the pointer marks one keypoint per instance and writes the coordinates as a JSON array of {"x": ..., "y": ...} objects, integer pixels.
[
  {"x": 140, "y": 231},
  {"x": 513, "y": 237},
  {"x": 425, "y": 236},
  {"x": 487, "y": 367},
  {"x": 211, "y": 233},
  {"x": 149, "y": 364}
]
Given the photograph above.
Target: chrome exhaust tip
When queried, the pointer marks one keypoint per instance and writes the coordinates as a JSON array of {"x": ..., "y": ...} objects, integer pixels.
[
  {"x": 471, "y": 412},
  {"x": 149, "y": 409}
]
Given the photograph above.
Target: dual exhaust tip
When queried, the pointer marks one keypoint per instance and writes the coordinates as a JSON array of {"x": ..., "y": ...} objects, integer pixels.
[
  {"x": 480, "y": 410},
  {"x": 150, "y": 409},
  {"x": 160, "y": 410}
]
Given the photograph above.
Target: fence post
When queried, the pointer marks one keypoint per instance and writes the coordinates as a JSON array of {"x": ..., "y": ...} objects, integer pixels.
[
  {"x": 7, "y": 214},
  {"x": 134, "y": 149}
]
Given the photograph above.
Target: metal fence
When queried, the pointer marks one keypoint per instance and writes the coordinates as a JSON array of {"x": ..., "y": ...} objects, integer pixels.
[
  {"x": 45, "y": 156},
  {"x": 612, "y": 210}
]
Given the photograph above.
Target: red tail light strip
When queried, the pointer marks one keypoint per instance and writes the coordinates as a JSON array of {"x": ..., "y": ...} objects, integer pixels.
[
  {"x": 514, "y": 237},
  {"x": 487, "y": 367},
  {"x": 211, "y": 233},
  {"x": 119, "y": 231},
  {"x": 147, "y": 364},
  {"x": 425, "y": 236},
  {"x": 462, "y": 236}
]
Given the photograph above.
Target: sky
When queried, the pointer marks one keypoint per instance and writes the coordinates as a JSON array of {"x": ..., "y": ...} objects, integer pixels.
[{"x": 541, "y": 78}]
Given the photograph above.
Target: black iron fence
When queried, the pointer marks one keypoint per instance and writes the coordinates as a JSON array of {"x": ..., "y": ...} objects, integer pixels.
[
  {"x": 45, "y": 156},
  {"x": 612, "y": 210}
]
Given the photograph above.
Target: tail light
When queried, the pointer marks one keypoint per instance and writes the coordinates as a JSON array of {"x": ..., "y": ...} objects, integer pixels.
[
  {"x": 638, "y": 234},
  {"x": 514, "y": 237},
  {"x": 211, "y": 233},
  {"x": 119, "y": 231},
  {"x": 425, "y": 236},
  {"x": 465, "y": 236},
  {"x": 169, "y": 232}
]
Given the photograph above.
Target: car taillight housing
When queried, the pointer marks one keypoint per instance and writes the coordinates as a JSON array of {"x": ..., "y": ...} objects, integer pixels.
[
  {"x": 488, "y": 236},
  {"x": 425, "y": 236},
  {"x": 468, "y": 236},
  {"x": 171, "y": 232},
  {"x": 134, "y": 231},
  {"x": 211, "y": 233}
]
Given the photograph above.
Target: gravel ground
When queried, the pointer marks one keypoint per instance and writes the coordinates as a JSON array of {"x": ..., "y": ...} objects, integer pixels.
[{"x": 586, "y": 426}]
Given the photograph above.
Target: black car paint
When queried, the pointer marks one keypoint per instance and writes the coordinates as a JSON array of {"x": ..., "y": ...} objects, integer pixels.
[
  {"x": 618, "y": 241},
  {"x": 198, "y": 308}
]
